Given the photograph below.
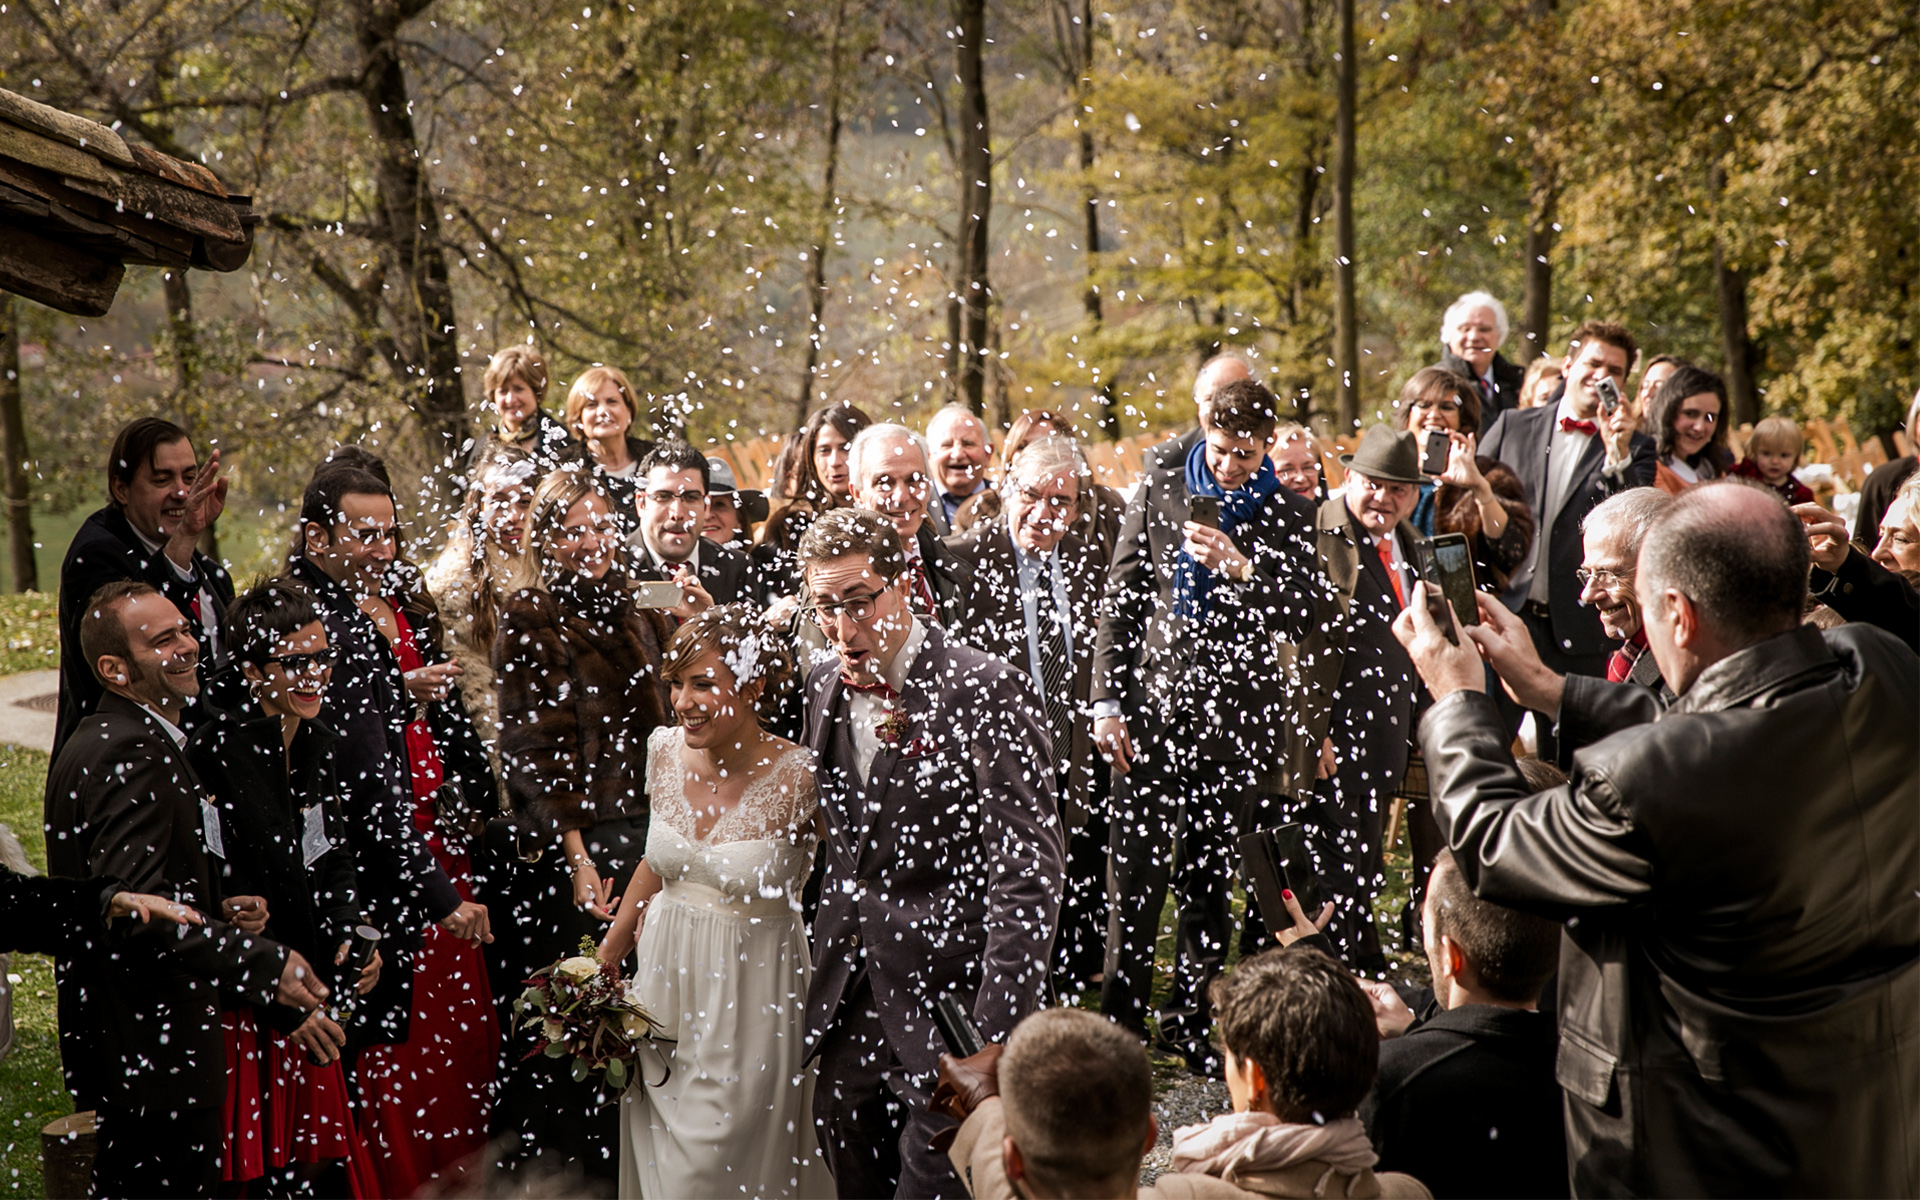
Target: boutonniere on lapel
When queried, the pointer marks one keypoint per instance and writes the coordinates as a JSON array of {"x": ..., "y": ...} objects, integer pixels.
[{"x": 892, "y": 727}]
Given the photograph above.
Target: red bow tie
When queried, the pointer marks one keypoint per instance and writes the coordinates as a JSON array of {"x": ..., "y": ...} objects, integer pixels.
[
  {"x": 1569, "y": 425},
  {"x": 881, "y": 688}
]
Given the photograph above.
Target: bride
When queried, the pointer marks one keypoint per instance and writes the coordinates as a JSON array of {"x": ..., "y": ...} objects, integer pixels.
[{"x": 723, "y": 958}]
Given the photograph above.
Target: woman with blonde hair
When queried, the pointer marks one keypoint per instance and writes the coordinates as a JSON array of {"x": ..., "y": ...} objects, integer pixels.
[
  {"x": 600, "y": 412},
  {"x": 580, "y": 692},
  {"x": 729, "y": 850}
]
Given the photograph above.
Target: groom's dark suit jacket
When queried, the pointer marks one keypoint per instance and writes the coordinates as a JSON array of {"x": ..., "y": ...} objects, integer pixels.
[{"x": 944, "y": 872}]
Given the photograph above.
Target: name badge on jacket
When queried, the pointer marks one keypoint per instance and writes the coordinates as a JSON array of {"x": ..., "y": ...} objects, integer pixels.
[
  {"x": 313, "y": 835},
  {"x": 210, "y": 828}
]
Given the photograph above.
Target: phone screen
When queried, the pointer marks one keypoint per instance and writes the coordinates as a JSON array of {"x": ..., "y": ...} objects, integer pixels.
[
  {"x": 653, "y": 593},
  {"x": 1453, "y": 566}
]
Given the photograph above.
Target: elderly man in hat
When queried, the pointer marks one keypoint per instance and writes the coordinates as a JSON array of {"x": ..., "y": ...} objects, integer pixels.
[{"x": 1353, "y": 715}]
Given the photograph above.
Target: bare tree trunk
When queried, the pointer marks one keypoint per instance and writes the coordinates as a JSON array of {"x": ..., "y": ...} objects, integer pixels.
[
  {"x": 1346, "y": 335},
  {"x": 427, "y": 352},
  {"x": 13, "y": 430},
  {"x": 829, "y": 202},
  {"x": 1536, "y": 322},
  {"x": 1730, "y": 288},
  {"x": 186, "y": 340},
  {"x": 976, "y": 201}
]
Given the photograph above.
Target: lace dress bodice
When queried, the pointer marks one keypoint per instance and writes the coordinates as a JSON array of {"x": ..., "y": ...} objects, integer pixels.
[{"x": 758, "y": 854}]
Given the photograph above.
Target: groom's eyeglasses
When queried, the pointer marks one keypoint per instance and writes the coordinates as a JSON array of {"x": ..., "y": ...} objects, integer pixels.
[{"x": 858, "y": 609}]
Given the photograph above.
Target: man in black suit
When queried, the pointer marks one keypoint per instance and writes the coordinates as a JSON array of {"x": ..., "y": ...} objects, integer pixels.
[
  {"x": 1184, "y": 673},
  {"x": 1466, "y": 1100},
  {"x": 943, "y": 856},
  {"x": 1471, "y": 333},
  {"x": 348, "y": 540},
  {"x": 887, "y": 471},
  {"x": 140, "y": 1033},
  {"x": 1571, "y": 457},
  {"x": 160, "y": 500},
  {"x": 1357, "y": 701},
  {"x": 1034, "y": 602},
  {"x": 668, "y": 546}
]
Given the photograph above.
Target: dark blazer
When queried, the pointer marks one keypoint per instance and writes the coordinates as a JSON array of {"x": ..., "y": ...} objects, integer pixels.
[
  {"x": 1351, "y": 678},
  {"x": 1520, "y": 440},
  {"x": 724, "y": 571},
  {"x": 948, "y": 575},
  {"x": 400, "y": 885},
  {"x": 106, "y": 550},
  {"x": 956, "y": 884},
  {"x": 1466, "y": 1103},
  {"x": 1507, "y": 380},
  {"x": 1863, "y": 590},
  {"x": 1739, "y": 999},
  {"x": 140, "y": 1025},
  {"x": 994, "y": 620},
  {"x": 65, "y": 917},
  {"x": 1211, "y": 680},
  {"x": 580, "y": 692},
  {"x": 264, "y": 792}
]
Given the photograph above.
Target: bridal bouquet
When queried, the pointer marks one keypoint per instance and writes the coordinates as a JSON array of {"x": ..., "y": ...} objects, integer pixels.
[{"x": 577, "y": 1007}]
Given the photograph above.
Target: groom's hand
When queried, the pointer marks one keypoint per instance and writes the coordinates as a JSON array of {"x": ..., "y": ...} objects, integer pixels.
[{"x": 966, "y": 1082}]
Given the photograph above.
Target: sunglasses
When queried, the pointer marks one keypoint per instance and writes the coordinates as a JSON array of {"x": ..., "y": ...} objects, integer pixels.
[{"x": 311, "y": 664}]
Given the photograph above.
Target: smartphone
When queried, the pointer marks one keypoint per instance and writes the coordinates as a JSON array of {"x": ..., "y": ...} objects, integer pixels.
[
  {"x": 1204, "y": 510},
  {"x": 1273, "y": 860},
  {"x": 1609, "y": 396},
  {"x": 1439, "y": 447},
  {"x": 957, "y": 1028},
  {"x": 654, "y": 593},
  {"x": 1447, "y": 568}
]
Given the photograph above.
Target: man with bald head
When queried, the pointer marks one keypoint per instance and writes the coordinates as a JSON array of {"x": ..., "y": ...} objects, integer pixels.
[
  {"x": 958, "y": 452},
  {"x": 1739, "y": 986}
]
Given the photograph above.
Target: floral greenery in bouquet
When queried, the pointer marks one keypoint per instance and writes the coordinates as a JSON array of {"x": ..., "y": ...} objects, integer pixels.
[{"x": 578, "y": 1007}]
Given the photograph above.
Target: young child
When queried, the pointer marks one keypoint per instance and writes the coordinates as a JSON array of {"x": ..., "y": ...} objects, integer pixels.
[{"x": 1772, "y": 453}]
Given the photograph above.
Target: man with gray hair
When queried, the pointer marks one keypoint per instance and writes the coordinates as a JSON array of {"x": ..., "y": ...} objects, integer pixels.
[
  {"x": 1610, "y": 538},
  {"x": 958, "y": 453},
  {"x": 1033, "y": 601},
  {"x": 1739, "y": 986},
  {"x": 887, "y": 473},
  {"x": 1471, "y": 333}
]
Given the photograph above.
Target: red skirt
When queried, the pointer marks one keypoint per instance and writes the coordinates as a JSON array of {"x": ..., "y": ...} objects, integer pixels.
[{"x": 283, "y": 1110}]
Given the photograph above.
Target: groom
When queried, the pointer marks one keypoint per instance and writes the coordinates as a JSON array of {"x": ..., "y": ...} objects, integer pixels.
[{"x": 943, "y": 856}]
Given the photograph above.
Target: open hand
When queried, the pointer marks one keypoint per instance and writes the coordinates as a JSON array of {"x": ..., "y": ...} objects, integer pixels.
[
  {"x": 140, "y": 904},
  {"x": 433, "y": 682},
  {"x": 1212, "y": 549},
  {"x": 1504, "y": 641}
]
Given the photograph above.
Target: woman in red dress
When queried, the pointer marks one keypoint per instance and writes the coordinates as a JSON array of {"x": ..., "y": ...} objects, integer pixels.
[{"x": 425, "y": 1103}]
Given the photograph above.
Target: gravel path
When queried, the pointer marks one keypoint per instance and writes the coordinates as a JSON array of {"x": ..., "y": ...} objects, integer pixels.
[
  {"x": 26, "y": 708},
  {"x": 1192, "y": 1101}
]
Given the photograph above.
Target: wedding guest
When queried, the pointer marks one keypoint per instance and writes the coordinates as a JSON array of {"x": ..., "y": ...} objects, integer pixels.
[
  {"x": 600, "y": 412},
  {"x": 515, "y": 385},
  {"x": 1474, "y": 495},
  {"x": 1899, "y": 545},
  {"x": 734, "y": 513},
  {"x": 890, "y": 477},
  {"x": 958, "y": 450},
  {"x": 1689, "y": 432},
  {"x": 942, "y": 840},
  {"x": 668, "y": 545},
  {"x": 267, "y": 764},
  {"x": 140, "y": 1030},
  {"x": 729, "y": 848},
  {"x": 1884, "y": 480},
  {"x": 1471, "y": 333},
  {"x": 1296, "y": 461},
  {"x": 1653, "y": 375},
  {"x": 160, "y": 499},
  {"x": 1099, "y": 509},
  {"x": 823, "y": 481},
  {"x": 1542, "y": 381},
  {"x": 580, "y": 692},
  {"x": 1773, "y": 451}
]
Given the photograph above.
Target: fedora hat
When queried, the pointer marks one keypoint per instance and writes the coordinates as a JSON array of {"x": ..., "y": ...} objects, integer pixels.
[{"x": 1386, "y": 454}]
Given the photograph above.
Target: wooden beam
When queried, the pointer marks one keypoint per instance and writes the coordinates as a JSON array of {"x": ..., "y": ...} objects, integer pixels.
[{"x": 56, "y": 275}]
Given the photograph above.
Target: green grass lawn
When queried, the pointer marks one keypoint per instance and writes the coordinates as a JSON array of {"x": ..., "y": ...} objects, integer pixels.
[
  {"x": 31, "y": 1092},
  {"x": 29, "y": 637}
]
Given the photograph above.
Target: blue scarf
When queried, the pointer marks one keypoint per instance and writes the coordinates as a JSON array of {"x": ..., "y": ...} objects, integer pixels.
[{"x": 1193, "y": 583}]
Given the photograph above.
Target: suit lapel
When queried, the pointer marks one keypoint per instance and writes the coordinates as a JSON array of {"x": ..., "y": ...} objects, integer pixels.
[{"x": 916, "y": 701}]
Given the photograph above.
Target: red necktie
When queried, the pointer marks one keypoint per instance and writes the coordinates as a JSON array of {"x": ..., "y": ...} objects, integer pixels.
[
  {"x": 1393, "y": 573},
  {"x": 925, "y": 593},
  {"x": 195, "y": 606},
  {"x": 1569, "y": 425}
]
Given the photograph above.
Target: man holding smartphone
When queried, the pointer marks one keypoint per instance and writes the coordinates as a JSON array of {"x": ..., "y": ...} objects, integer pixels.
[
  {"x": 674, "y": 482},
  {"x": 1571, "y": 457}
]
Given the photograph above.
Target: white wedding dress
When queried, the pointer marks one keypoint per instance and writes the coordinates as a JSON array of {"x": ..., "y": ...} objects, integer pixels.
[{"x": 723, "y": 962}]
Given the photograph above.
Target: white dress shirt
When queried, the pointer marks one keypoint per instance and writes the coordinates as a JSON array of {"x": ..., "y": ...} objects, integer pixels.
[{"x": 865, "y": 710}]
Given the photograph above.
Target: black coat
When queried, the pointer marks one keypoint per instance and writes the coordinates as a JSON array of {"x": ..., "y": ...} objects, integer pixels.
[
  {"x": 264, "y": 793},
  {"x": 400, "y": 885},
  {"x": 1466, "y": 1103},
  {"x": 1863, "y": 590},
  {"x": 1507, "y": 380},
  {"x": 140, "y": 1025},
  {"x": 106, "y": 550},
  {"x": 1739, "y": 998},
  {"x": 1208, "y": 681},
  {"x": 723, "y": 570},
  {"x": 41, "y": 915},
  {"x": 1876, "y": 494},
  {"x": 1520, "y": 440}
]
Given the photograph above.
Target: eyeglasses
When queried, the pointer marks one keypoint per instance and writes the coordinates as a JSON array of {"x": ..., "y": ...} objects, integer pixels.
[
  {"x": 1306, "y": 470},
  {"x": 665, "y": 498},
  {"x": 858, "y": 609},
  {"x": 1057, "y": 503},
  {"x": 306, "y": 664},
  {"x": 1606, "y": 577},
  {"x": 915, "y": 482}
]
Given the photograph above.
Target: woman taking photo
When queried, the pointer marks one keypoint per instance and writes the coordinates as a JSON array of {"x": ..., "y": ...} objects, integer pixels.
[
  {"x": 580, "y": 691},
  {"x": 1689, "y": 436},
  {"x": 1474, "y": 495},
  {"x": 730, "y": 847},
  {"x": 600, "y": 412}
]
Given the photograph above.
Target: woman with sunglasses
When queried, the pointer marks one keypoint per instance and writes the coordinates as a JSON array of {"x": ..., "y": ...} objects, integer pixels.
[
  {"x": 580, "y": 692},
  {"x": 267, "y": 761},
  {"x": 1473, "y": 495}
]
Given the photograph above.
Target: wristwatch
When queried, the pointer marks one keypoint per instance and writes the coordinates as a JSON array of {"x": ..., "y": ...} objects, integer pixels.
[{"x": 1245, "y": 573}]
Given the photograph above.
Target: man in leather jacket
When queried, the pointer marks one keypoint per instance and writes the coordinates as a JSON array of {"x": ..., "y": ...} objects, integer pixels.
[{"x": 1739, "y": 987}]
